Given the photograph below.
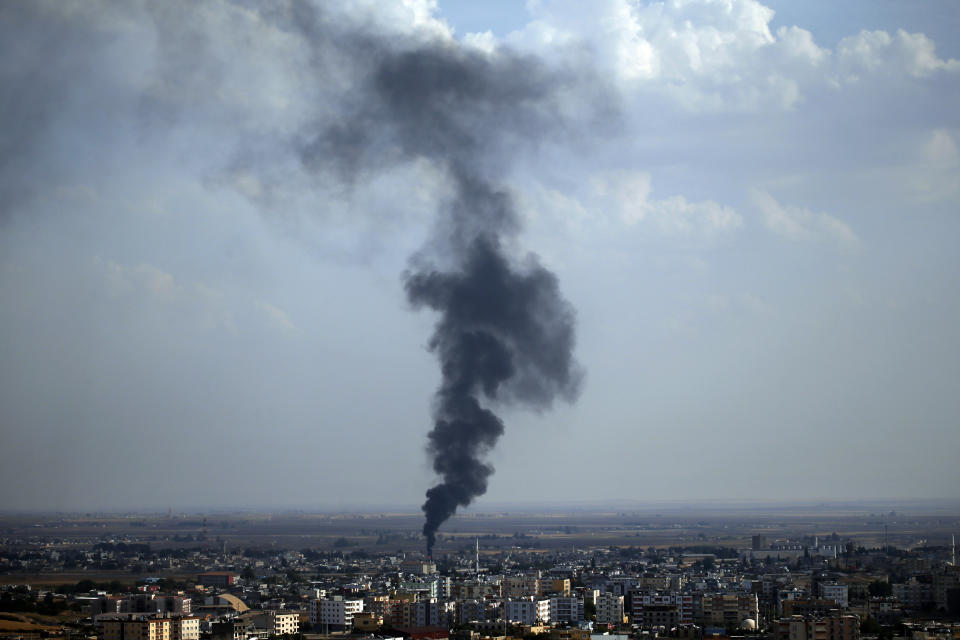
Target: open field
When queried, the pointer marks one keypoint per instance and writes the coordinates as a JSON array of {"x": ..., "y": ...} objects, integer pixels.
[{"x": 662, "y": 526}]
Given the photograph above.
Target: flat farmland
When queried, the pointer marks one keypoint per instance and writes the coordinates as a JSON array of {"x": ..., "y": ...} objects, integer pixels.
[{"x": 907, "y": 525}]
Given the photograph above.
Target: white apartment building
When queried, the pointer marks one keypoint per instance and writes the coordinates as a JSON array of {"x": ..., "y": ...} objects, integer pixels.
[
  {"x": 836, "y": 592},
  {"x": 334, "y": 612},
  {"x": 609, "y": 609},
  {"x": 527, "y": 611},
  {"x": 277, "y": 622},
  {"x": 185, "y": 628},
  {"x": 566, "y": 609}
]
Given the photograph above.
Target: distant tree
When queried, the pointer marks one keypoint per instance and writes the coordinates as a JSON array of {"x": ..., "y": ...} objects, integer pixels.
[
  {"x": 248, "y": 574},
  {"x": 49, "y": 606},
  {"x": 870, "y": 626},
  {"x": 590, "y": 611},
  {"x": 84, "y": 585},
  {"x": 880, "y": 588}
]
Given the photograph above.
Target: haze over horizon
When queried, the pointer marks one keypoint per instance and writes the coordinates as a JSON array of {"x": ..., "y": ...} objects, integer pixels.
[{"x": 750, "y": 206}]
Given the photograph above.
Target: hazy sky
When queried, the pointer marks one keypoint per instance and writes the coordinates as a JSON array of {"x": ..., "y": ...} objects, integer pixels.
[{"x": 754, "y": 209}]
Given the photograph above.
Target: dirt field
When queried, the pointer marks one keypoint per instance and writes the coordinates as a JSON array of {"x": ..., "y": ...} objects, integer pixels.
[{"x": 906, "y": 525}]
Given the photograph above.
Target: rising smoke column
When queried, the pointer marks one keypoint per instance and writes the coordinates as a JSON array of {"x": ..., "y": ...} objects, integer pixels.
[{"x": 504, "y": 334}]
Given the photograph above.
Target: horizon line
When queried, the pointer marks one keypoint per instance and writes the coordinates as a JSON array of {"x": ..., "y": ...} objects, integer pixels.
[{"x": 522, "y": 506}]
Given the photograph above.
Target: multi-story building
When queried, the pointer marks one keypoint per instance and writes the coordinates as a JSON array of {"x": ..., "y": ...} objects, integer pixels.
[
  {"x": 144, "y": 627},
  {"x": 843, "y": 627},
  {"x": 418, "y": 567},
  {"x": 683, "y": 603},
  {"x": 521, "y": 587},
  {"x": 425, "y": 588},
  {"x": 528, "y": 611},
  {"x": 217, "y": 578},
  {"x": 236, "y": 629},
  {"x": 367, "y": 622},
  {"x": 138, "y": 628},
  {"x": 334, "y": 613},
  {"x": 559, "y": 586},
  {"x": 913, "y": 594},
  {"x": 475, "y": 589},
  {"x": 659, "y": 615},
  {"x": 471, "y": 611},
  {"x": 566, "y": 609},
  {"x": 809, "y": 607},
  {"x": 943, "y": 584},
  {"x": 185, "y": 628},
  {"x": 444, "y": 587},
  {"x": 277, "y": 622},
  {"x": 609, "y": 609},
  {"x": 620, "y": 585},
  {"x": 151, "y": 603},
  {"x": 148, "y": 603},
  {"x": 427, "y": 613},
  {"x": 836, "y": 592},
  {"x": 730, "y": 609},
  {"x": 654, "y": 582}
]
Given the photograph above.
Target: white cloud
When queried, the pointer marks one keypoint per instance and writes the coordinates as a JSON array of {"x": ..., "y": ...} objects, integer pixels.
[
  {"x": 709, "y": 55},
  {"x": 145, "y": 279},
  {"x": 276, "y": 316},
  {"x": 148, "y": 290},
  {"x": 627, "y": 194},
  {"x": 935, "y": 177},
  {"x": 623, "y": 199},
  {"x": 878, "y": 52},
  {"x": 798, "y": 223}
]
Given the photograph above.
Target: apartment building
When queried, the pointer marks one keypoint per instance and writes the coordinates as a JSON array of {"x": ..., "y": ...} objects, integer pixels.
[
  {"x": 277, "y": 622},
  {"x": 528, "y": 611},
  {"x": 559, "y": 586},
  {"x": 609, "y": 609},
  {"x": 683, "y": 603},
  {"x": 334, "y": 613},
  {"x": 566, "y": 609},
  {"x": 730, "y": 609},
  {"x": 844, "y": 627},
  {"x": 521, "y": 587},
  {"x": 145, "y": 627},
  {"x": 839, "y": 593}
]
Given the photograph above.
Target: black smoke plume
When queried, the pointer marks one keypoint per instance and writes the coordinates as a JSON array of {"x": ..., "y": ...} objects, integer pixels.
[
  {"x": 505, "y": 334},
  {"x": 376, "y": 98}
]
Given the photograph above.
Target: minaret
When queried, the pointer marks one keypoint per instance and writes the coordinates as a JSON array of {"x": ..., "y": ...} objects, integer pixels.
[{"x": 478, "y": 557}]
